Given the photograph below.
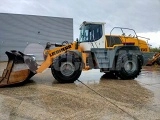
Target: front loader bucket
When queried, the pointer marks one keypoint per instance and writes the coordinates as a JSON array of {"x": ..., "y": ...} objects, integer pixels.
[{"x": 16, "y": 71}]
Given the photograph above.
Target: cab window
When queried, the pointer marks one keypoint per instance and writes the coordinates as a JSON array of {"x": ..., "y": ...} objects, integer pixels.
[{"x": 90, "y": 33}]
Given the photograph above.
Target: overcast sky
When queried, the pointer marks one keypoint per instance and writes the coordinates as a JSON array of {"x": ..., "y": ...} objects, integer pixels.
[{"x": 141, "y": 15}]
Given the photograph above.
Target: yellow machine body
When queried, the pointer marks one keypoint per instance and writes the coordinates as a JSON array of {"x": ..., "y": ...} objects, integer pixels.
[{"x": 127, "y": 40}]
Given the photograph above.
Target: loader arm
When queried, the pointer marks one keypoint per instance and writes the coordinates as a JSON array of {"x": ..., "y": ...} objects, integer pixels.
[
  {"x": 53, "y": 53},
  {"x": 22, "y": 67}
]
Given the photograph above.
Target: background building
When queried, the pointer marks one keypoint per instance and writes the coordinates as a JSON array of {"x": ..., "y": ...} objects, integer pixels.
[{"x": 30, "y": 33}]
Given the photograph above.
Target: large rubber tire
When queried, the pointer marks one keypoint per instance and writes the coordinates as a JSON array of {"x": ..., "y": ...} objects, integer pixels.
[
  {"x": 158, "y": 61},
  {"x": 128, "y": 66},
  {"x": 72, "y": 71}
]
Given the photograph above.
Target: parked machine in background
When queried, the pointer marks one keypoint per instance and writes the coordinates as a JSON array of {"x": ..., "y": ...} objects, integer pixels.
[
  {"x": 154, "y": 60},
  {"x": 93, "y": 50}
]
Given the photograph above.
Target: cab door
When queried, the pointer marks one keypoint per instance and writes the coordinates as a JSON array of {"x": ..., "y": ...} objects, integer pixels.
[{"x": 91, "y": 36}]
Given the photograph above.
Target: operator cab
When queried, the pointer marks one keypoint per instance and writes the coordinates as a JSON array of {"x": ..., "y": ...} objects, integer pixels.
[{"x": 92, "y": 35}]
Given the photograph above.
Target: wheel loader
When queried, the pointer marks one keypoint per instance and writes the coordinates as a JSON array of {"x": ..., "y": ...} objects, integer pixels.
[{"x": 93, "y": 50}]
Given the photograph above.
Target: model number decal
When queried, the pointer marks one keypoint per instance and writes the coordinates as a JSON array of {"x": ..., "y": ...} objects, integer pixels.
[{"x": 61, "y": 50}]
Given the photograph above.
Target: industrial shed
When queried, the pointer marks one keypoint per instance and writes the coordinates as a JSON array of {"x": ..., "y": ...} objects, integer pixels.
[{"x": 30, "y": 33}]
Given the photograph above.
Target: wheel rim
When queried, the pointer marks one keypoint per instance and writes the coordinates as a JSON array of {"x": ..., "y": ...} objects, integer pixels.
[
  {"x": 130, "y": 66},
  {"x": 67, "y": 69}
]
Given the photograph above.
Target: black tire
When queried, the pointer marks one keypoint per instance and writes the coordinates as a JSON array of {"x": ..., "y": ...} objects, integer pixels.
[
  {"x": 158, "y": 61},
  {"x": 128, "y": 66},
  {"x": 60, "y": 74}
]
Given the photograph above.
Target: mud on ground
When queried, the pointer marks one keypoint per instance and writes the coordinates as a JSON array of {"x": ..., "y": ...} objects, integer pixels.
[{"x": 43, "y": 98}]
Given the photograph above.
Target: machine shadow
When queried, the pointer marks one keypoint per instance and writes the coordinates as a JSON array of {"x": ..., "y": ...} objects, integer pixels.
[{"x": 108, "y": 76}]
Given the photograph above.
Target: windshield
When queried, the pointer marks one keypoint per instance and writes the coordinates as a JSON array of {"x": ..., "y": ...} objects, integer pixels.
[{"x": 90, "y": 33}]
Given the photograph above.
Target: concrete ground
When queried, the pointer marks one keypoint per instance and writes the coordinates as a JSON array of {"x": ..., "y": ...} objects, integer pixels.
[{"x": 42, "y": 98}]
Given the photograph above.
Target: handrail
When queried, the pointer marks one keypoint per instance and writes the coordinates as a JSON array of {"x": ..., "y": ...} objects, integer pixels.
[{"x": 122, "y": 28}]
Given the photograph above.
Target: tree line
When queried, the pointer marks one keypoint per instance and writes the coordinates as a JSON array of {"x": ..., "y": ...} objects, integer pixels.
[{"x": 155, "y": 49}]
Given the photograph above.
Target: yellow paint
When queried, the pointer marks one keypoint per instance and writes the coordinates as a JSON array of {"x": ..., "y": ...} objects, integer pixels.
[
  {"x": 53, "y": 53},
  {"x": 143, "y": 45},
  {"x": 45, "y": 64},
  {"x": 114, "y": 46},
  {"x": 138, "y": 42},
  {"x": 84, "y": 57}
]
